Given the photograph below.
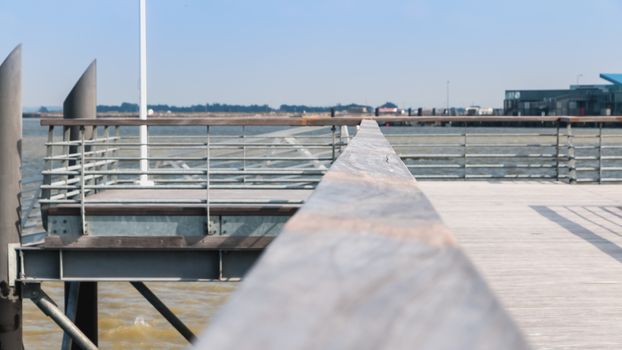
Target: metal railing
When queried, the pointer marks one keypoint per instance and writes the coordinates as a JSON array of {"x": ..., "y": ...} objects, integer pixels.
[
  {"x": 196, "y": 156},
  {"x": 195, "y": 159},
  {"x": 563, "y": 149}
]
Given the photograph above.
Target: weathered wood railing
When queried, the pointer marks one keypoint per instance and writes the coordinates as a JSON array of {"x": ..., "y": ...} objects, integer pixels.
[{"x": 366, "y": 263}]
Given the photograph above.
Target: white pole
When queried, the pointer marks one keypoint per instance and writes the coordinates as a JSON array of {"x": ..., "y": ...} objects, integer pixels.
[{"x": 144, "y": 163}]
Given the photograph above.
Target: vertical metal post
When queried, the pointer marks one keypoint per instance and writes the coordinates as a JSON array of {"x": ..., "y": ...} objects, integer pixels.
[
  {"x": 115, "y": 164},
  {"x": 600, "y": 153},
  {"x": 71, "y": 305},
  {"x": 106, "y": 153},
  {"x": 244, "y": 153},
  {"x": 332, "y": 129},
  {"x": 93, "y": 155},
  {"x": 208, "y": 225},
  {"x": 340, "y": 141},
  {"x": 65, "y": 162},
  {"x": 557, "y": 152},
  {"x": 572, "y": 162},
  {"x": 144, "y": 162},
  {"x": 92, "y": 158},
  {"x": 10, "y": 188},
  {"x": 82, "y": 182},
  {"x": 47, "y": 179},
  {"x": 465, "y": 148}
]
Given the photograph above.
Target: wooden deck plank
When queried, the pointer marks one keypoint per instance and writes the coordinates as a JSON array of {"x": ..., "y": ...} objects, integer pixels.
[{"x": 552, "y": 252}]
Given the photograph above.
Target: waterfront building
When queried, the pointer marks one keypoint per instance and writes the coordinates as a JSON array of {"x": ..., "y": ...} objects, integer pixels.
[{"x": 579, "y": 100}]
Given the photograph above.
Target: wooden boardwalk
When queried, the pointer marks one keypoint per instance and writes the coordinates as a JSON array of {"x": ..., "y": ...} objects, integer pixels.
[{"x": 552, "y": 252}]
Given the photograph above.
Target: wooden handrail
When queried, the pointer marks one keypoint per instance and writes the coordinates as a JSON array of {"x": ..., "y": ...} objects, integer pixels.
[
  {"x": 309, "y": 120},
  {"x": 366, "y": 263}
]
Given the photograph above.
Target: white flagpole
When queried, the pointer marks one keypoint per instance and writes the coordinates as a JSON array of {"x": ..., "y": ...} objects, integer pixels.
[{"x": 144, "y": 163}]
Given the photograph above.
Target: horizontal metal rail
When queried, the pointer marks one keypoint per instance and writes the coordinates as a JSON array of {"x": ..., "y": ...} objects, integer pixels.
[
  {"x": 169, "y": 200},
  {"x": 194, "y": 171}
]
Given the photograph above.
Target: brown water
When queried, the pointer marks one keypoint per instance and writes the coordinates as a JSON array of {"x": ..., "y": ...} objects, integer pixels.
[{"x": 127, "y": 320}]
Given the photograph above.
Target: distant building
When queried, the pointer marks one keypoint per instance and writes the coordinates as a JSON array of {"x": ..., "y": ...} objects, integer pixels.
[
  {"x": 388, "y": 110},
  {"x": 358, "y": 110},
  {"x": 477, "y": 110},
  {"x": 577, "y": 100}
]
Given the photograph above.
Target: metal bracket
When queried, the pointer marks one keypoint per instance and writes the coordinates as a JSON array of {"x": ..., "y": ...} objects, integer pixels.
[{"x": 32, "y": 291}]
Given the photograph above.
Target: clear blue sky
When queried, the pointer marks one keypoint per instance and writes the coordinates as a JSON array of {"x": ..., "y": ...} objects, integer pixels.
[{"x": 319, "y": 52}]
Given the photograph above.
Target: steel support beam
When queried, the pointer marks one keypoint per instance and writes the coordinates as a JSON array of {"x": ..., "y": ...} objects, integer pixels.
[
  {"x": 164, "y": 311},
  {"x": 132, "y": 264},
  {"x": 10, "y": 209}
]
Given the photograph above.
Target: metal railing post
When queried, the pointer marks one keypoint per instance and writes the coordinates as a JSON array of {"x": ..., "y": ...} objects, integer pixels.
[
  {"x": 93, "y": 155},
  {"x": 244, "y": 153},
  {"x": 115, "y": 164},
  {"x": 208, "y": 224},
  {"x": 600, "y": 153},
  {"x": 106, "y": 167},
  {"x": 333, "y": 129},
  {"x": 557, "y": 151},
  {"x": 465, "y": 150},
  {"x": 66, "y": 162},
  {"x": 572, "y": 163},
  {"x": 49, "y": 164},
  {"x": 82, "y": 182}
]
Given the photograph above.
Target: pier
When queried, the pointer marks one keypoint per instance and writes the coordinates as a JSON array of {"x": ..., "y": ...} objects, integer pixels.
[{"x": 328, "y": 222}]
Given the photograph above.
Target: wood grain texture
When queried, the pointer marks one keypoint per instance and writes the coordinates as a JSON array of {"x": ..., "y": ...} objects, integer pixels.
[
  {"x": 552, "y": 252},
  {"x": 366, "y": 263}
]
